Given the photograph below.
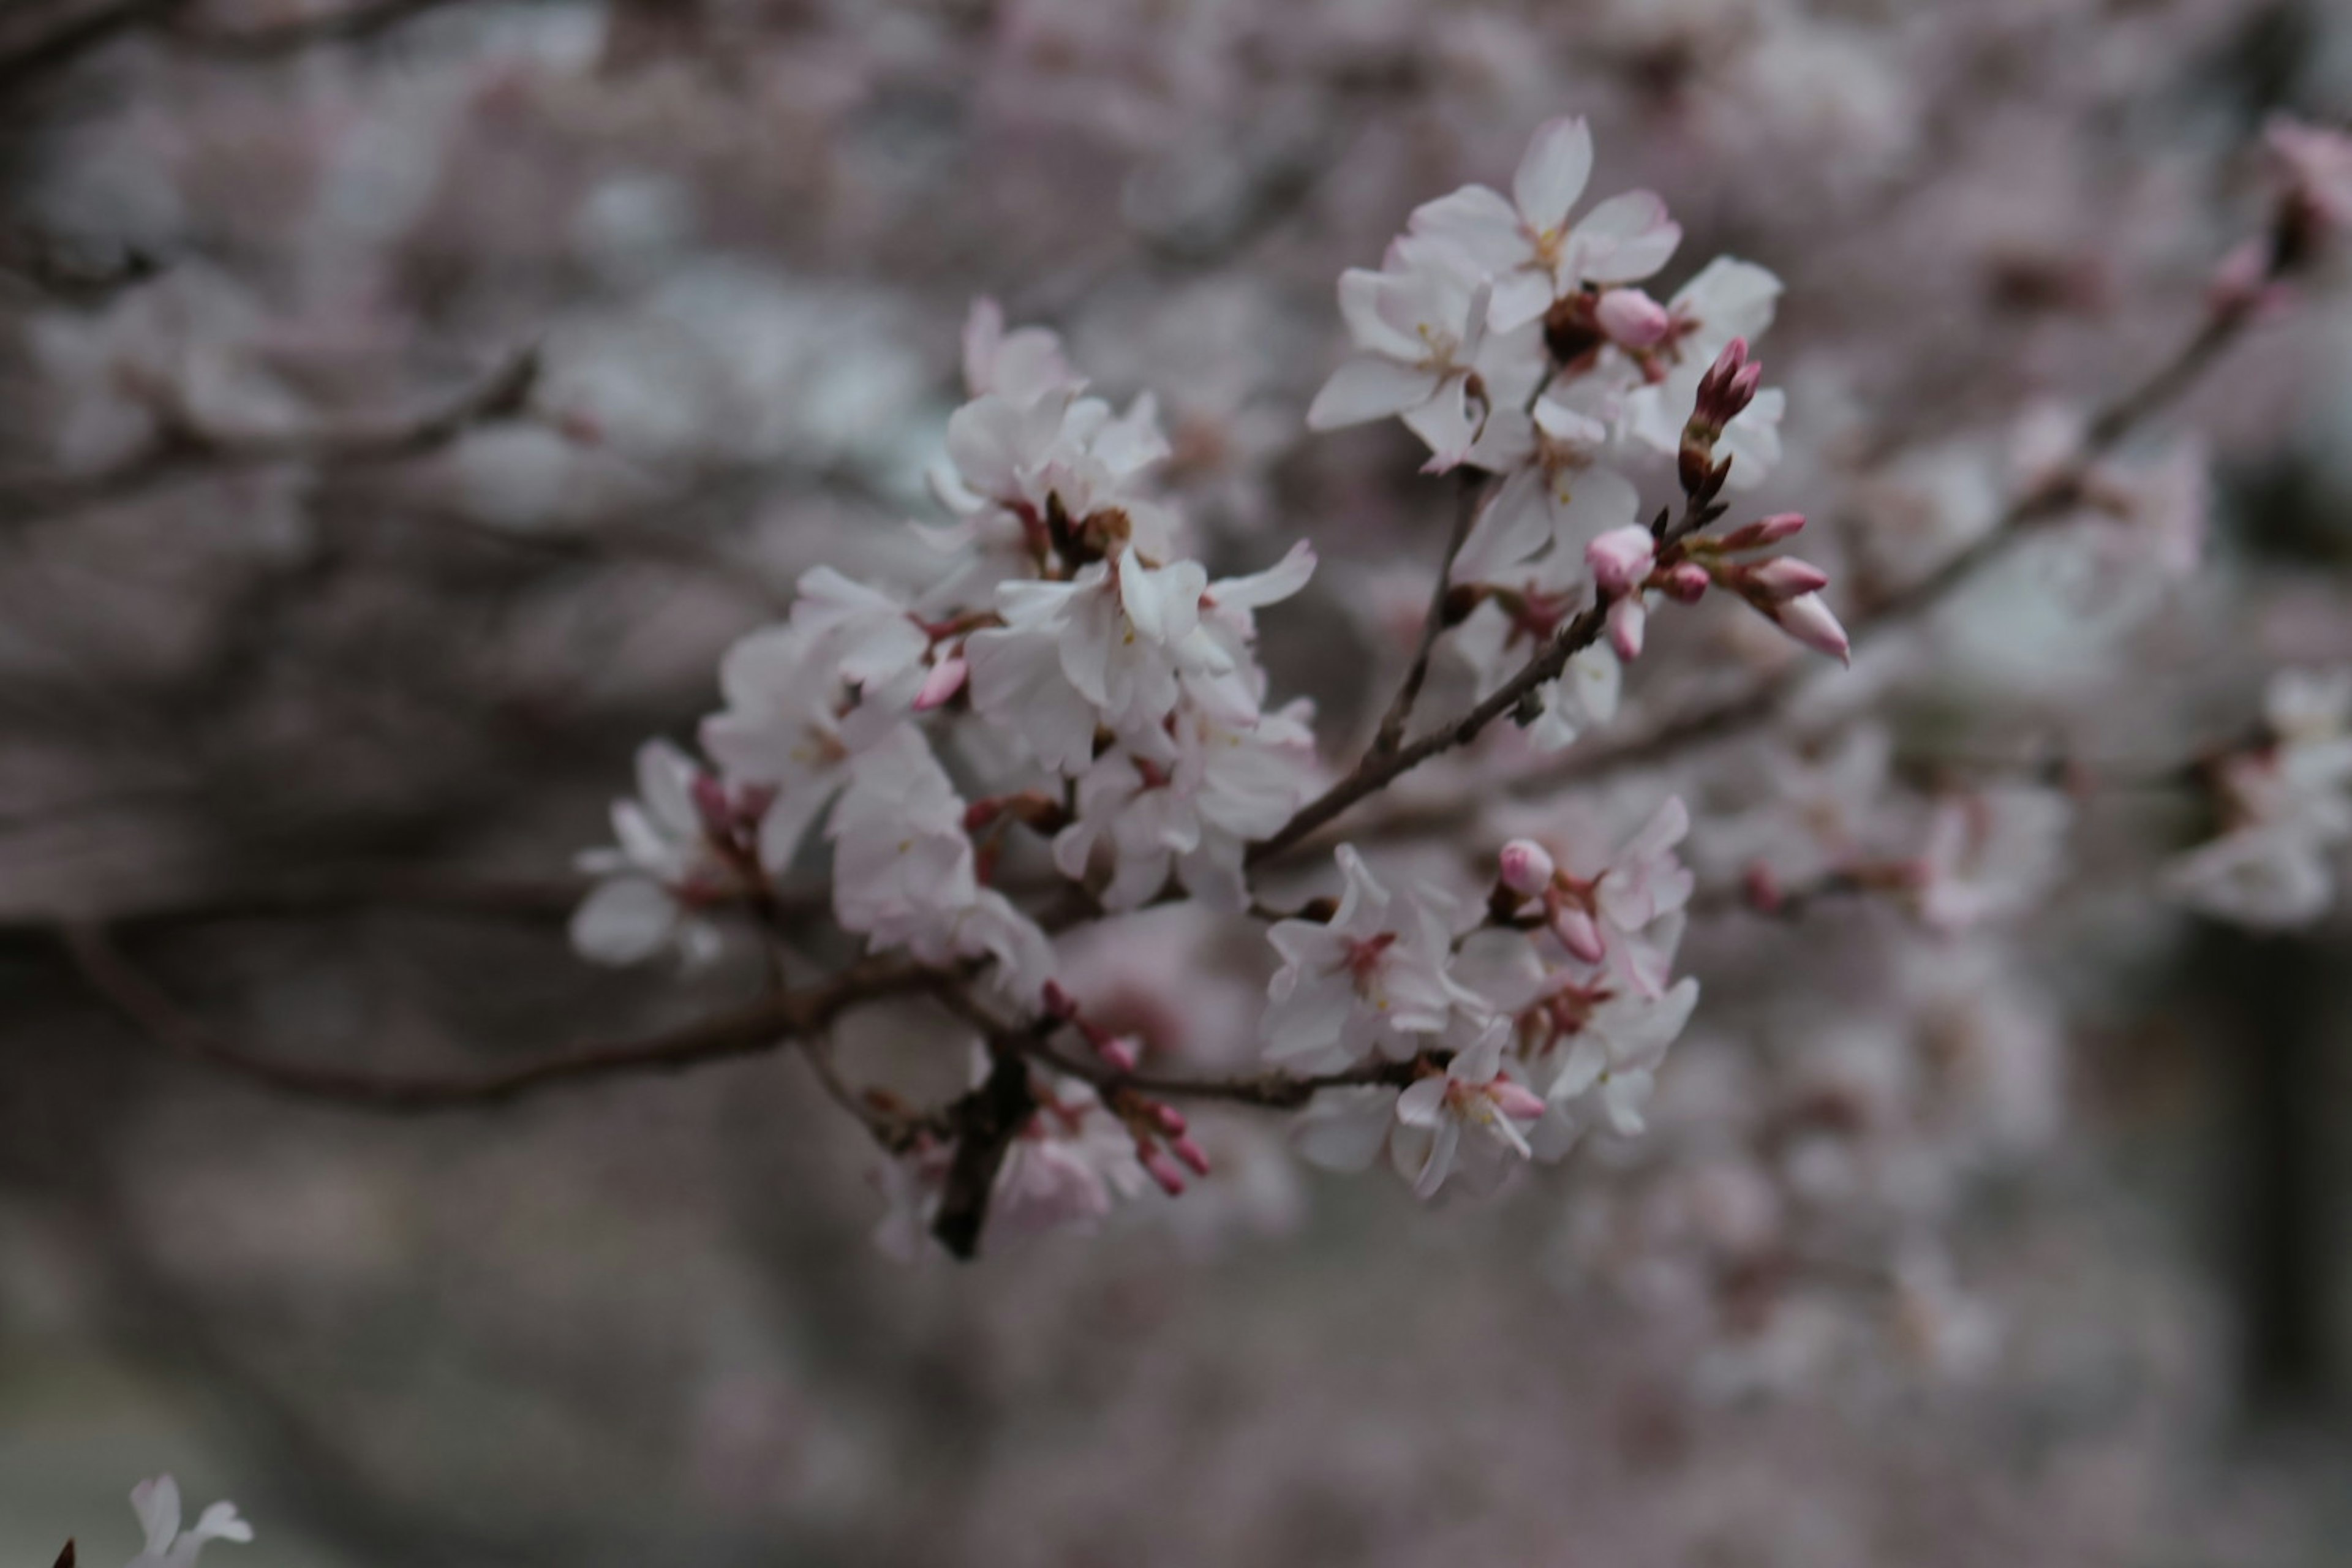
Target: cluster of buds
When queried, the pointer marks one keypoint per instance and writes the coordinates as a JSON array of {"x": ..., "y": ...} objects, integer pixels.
[
  {"x": 1569, "y": 908},
  {"x": 1786, "y": 590},
  {"x": 1159, "y": 1131},
  {"x": 1123, "y": 1053},
  {"x": 1727, "y": 389}
]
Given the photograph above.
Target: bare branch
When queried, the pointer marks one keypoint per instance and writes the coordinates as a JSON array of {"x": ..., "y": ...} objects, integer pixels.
[
  {"x": 764, "y": 1025},
  {"x": 188, "y": 443},
  {"x": 1392, "y": 724}
]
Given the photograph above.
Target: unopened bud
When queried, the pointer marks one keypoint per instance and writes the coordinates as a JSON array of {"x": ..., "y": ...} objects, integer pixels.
[
  {"x": 1171, "y": 1121},
  {"x": 940, "y": 687},
  {"x": 1515, "y": 1100},
  {"x": 1191, "y": 1154},
  {"x": 1728, "y": 386},
  {"x": 1686, "y": 581},
  {"x": 1120, "y": 1051},
  {"x": 1161, "y": 1170},
  {"x": 1762, "y": 888},
  {"x": 1809, "y": 620},
  {"x": 1628, "y": 617},
  {"x": 1765, "y": 531},
  {"x": 709, "y": 798},
  {"x": 1525, "y": 866},
  {"x": 1783, "y": 577},
  {"x": 1632, "y": 319},
  {"x": 1621, "y": 559},
  {"x": 1578, "y": 933},
  {"x": 1057, "y": 1002}
]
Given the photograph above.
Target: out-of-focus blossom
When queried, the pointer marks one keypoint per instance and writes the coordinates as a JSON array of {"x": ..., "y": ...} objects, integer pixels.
[{"x": 157, "y": 1504}]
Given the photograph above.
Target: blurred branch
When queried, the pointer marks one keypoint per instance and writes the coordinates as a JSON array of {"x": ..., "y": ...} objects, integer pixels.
[
  {"x": 187, "y": 441},
  {"x": 1392, "y": 731},
  {"x": 776, "y": 1020},
  {"x": 345, "y": 25},
  {"x": 62, "y": 33}
]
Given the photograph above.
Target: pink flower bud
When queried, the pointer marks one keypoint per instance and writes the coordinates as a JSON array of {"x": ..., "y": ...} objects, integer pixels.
[
  {"x": 709, "y": 798},
  {"x": 1686, "y": 581},
  {"x": 1632, "y": 319},
  {"x": 1578, "y": 933},
  {"x": 940, "y": 687},
  {"x": 1784, "y": 578},
  {"x": 1728, "y": 386},
  {"x": 1171, "y": 1121},
  {"x": 1192, "y": 1155},
  {"x": 1525, "y": 866},
  {"x": 1120, "y": 1052},
  {"x": 1729, "y": 362},
  {"x": 1627, "y": 618},
  {"x": 1057, "y": 1002},
  {"x": 1808, "y": 620},
  {"x": 1161, "y": 1170},
  {"x": 1621, "y": 559},
  {"x": 1769, "y": 529},
  {"x": 1515, "y": 1100},
  {"x": 1762, "y": 888}
]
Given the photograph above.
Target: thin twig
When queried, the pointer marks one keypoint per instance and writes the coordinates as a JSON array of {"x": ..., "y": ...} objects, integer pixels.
[
  {"x": 746, "y": 1031},
  {"x": 186, "y": 443},
  {"x": 1376, "y": 773},
  {"x": 1466, "y": 512}
]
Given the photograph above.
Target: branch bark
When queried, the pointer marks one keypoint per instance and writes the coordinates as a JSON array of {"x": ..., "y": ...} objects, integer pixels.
[{"x": 762, "y": 1027}]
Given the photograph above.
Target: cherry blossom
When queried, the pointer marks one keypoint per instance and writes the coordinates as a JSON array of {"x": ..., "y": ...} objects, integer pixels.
[
  {"x": 1428, "y": 353},
  {"x": 1372, "y": 978},
  {"x": 663, "y": 869},
  {"x": 157, "y": 1504},
  {"x": 1526, "y": 242}
]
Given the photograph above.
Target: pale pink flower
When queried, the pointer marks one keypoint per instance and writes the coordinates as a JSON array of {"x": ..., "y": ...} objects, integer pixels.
[
  {"x": 1422, "y": 333},
  {"x": 1525, "y": 241},
  {"x": 662, "y": 869},
  {"x": 1476, "y": 1118},
  {"x": 1373, "y": 979}
]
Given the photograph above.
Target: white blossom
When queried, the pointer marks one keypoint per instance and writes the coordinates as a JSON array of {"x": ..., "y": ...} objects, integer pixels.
[
  {"x": 1526, "y": 243},
  {"x": 1373, "y": 979},
  {"x": 661, "y": 871},
  {"x": 1425, "y": 350},
  {"x": 157, "y": 1504}
]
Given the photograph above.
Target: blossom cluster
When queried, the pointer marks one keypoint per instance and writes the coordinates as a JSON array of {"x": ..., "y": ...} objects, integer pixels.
[
  {"x": 1069, "y": 700},
  {"x": 1512, "y": 337},
  {"x": 2285, "y": 806}
]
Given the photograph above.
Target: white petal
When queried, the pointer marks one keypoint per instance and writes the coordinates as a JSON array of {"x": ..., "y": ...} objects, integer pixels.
[
  {"x": 1369, "y": 388},
  {"x": 1343, "y": 1129},
  {"x": 1623, "y": 240},
  {"x": 1552, "y": 174},
  {"x": 625, "y": 921},
  {"x": 157, "y": 1504}
]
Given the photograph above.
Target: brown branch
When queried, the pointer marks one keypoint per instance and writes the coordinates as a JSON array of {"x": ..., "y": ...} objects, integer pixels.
[
  {"x": 348, "y": 24},
  {"x": 46, "y": 51},
  {"x": 187, "y": 443},
  {"x": 1376, "y": 773},
  {"x": 986, "y": 1121},
  {"x": 1392, "y": 731},
  {"x": 745, "y": 1031},
  {"x": 1272, "y": 1090}
]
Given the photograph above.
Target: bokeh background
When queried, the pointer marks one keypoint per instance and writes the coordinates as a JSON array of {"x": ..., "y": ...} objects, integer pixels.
[{"x": 403, "y": 403}]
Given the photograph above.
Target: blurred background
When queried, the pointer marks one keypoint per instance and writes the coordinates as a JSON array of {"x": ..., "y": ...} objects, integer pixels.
[{"x": 403, "y": 402}]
